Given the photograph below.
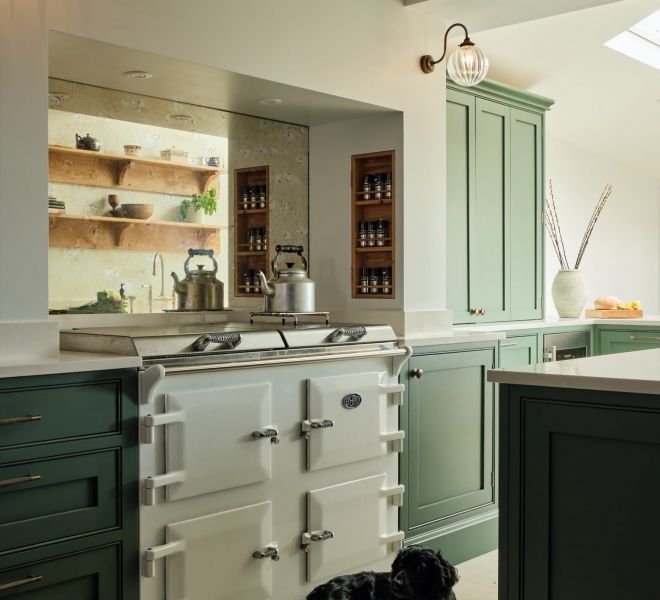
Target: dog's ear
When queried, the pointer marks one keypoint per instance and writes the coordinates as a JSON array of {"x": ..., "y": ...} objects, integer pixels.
[{"x": 448, "y": 575}]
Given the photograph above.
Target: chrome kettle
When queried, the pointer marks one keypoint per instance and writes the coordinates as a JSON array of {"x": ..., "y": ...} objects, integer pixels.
[
  {"x": 290, "y": 289},
  {"x": 200, "y": 290}
]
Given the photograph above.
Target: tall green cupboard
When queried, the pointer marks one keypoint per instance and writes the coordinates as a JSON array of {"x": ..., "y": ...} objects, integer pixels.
[{"x": 495, "y": 186}]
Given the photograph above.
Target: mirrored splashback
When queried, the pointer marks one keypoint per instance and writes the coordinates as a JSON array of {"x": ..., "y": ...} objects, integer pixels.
[{"x": 121, "y": 205}]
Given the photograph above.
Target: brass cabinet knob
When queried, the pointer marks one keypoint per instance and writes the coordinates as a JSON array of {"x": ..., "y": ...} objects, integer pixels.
[
  {"x": 479, "y": 312},
  {"x": 417, "y": 373},
  {"x": 474, "y": 311}
]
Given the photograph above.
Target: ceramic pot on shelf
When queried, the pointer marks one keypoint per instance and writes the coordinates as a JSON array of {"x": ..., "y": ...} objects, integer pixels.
[{"x": 569, "y": 293}]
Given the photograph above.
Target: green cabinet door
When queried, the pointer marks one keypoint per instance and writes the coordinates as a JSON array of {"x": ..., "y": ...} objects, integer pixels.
[
  {"x": 489, "y": 265},
  {"x": 450, "y": 437},
  {"x": 590, "y": 489},
  {"x": 93, "y": 575},
  {"x": 611, "y": 342},
  {"x": 460, "y": 202},
  {"x": 525, "y": 234},
  {"x": 519, "y": 351}
]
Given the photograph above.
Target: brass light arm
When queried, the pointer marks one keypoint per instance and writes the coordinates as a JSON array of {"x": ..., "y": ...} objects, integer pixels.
[{"x": 428, "y": 64}]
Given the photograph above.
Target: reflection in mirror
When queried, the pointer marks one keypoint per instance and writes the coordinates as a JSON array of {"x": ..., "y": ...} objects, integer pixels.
[{"x": 159, "y": 153}]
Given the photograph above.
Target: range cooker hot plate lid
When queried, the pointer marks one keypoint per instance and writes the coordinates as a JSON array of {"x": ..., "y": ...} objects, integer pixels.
[{"x": 305, "y": 336}]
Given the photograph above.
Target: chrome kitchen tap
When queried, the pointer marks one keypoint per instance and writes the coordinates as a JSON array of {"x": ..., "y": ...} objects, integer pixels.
[{"x": 161, "y": 297}]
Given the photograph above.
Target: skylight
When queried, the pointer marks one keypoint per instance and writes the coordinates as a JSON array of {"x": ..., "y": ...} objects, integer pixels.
[{"x": 641, "y": 41}]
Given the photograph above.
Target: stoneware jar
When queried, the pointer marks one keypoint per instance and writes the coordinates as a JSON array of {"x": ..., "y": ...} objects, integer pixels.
[{"x": 569, "y": 293}]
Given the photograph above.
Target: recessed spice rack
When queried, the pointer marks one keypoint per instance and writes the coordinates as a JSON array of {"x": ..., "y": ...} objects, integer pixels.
[
  {"x": 373, "y": 255},
  {"x": 250, "y": 214}
]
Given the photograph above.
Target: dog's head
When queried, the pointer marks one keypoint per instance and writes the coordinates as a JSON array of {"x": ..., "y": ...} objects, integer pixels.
[{"x": 421, "y": 574}]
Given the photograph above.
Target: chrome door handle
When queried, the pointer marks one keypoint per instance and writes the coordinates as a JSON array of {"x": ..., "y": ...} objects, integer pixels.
[
  {"x": 20, "y": 582},
  {"x": 267, "y": 432},
  {"x": 417, "y": 373},
  {"x": 272, "y": 551},
  {"x": 15, "y": 420},
  {"x": 309, "y": 424},
  {"x": 316, "y": 536},
  {"x": 19, "y": 480}
]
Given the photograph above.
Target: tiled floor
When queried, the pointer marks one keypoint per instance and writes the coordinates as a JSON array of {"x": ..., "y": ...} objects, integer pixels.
[{"x": 478, "y": 578}]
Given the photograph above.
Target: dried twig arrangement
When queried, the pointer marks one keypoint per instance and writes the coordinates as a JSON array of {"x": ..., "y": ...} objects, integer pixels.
[{"x": 554, "y": 230}]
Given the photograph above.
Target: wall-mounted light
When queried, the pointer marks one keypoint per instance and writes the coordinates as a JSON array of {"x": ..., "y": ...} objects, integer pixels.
[{"x": 466, "y": 66}]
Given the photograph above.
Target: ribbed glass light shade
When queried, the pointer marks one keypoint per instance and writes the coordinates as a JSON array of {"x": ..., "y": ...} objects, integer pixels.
[{"x": 467, "y": 65}]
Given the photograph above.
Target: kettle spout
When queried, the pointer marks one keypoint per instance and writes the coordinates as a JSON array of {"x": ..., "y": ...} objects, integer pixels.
[
  {"x": 266, "y": 290},
  {"x": 178, "y": 288}
]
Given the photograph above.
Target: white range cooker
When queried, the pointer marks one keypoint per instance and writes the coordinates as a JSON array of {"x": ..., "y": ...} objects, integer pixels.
[{"x": 268, "y": 460}]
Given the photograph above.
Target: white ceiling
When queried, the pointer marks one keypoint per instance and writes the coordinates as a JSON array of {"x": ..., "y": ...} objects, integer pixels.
[
  {"x": 96, "y": 63},
  {"x": 478, "y": 15}
]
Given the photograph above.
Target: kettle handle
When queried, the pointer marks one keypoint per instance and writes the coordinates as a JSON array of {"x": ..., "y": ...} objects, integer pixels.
[
  {"x": 199, "y": 252},
  {"x": 289, "y": 249}
]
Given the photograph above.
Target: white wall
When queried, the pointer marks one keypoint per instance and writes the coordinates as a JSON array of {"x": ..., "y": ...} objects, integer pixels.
[
  {"x": 622, "y": 258},
  {"x": 23, "y": 180},
  {"x": 330, "y": 149},
  {"x": 367, "y": 50}
]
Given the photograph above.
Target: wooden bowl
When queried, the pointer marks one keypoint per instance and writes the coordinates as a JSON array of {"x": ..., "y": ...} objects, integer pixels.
[{"x": 135, "y": 211}]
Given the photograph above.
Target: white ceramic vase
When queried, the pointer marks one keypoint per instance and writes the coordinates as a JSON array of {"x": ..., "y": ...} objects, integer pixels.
[{"x": 569, "y": 293}]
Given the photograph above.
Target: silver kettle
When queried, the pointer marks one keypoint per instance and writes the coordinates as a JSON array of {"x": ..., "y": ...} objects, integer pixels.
[
  {"x": 200, "y": 290},
  {"x": 290, "y": 289}
]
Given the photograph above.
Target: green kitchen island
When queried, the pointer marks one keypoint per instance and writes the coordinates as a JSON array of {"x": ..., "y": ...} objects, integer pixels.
[{"x": 580, "y": 479}]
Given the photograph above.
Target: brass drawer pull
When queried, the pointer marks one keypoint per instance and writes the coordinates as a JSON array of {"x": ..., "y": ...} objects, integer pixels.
[
  {"x": 14, "y": 420},
  {"x": 655, "y": 338},
  {"x": 20, "y": 582},
  {"x": 17, "y": 480}
]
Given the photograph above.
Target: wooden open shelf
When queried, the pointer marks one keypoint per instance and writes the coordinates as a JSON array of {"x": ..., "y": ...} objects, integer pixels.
[
  {"x": 102, "y": 169},
  {"x": 77, "y": 231},
  {"x": 373, "y": 257},
  {"x": 244, "y": 219}
]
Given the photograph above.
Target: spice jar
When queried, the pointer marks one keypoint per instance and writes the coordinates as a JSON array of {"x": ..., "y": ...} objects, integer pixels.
[
  {"x": 388, "y": 185},
  {"x": 247, "y": 281},
  {"x": 256, "y": 284},
  {"x": 251, "y": 239},
  {"x": 371, "y": 233},
  {"x": 362, "y": 234},
  {"x": 253, "y": 197},
  {"x": 381, "y": 232},
  {"x": 366, "y": 188},
  {"x": 386, "y": 280},
  {"x": 262, "y": 196},
  {"x": 245, "y": 199},
  {"x": 364, "y": 281},
  {"x": 373, "y": 281},
  {"x": 378, "y": 186}
]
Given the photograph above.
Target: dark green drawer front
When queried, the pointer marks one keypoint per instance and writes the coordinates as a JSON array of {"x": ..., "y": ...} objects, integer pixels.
[
  {"x": 74, "y": 495},
  {"x": 65, "y": 411},
  {"x": 92, "y": 575}
]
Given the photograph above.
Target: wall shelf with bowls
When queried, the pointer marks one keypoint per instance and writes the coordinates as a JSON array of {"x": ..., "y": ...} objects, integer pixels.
[
  {"x": 91, "y": 232},
  {"x": 103, "y": 169}
]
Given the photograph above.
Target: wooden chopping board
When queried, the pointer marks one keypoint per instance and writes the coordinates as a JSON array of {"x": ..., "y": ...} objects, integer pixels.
[{"x": 619, "y": 313}]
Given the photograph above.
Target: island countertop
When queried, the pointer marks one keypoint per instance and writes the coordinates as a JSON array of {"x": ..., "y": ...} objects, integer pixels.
[{"x": 634, "y": 372}]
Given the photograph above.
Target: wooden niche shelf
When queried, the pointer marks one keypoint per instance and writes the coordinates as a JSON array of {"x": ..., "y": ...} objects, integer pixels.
[
  {"x": 374, "y": 225},
  {"x": 76, "y": 231},
  {"x": 251, "y": 233},
  {"x": 102, "y": 169}
]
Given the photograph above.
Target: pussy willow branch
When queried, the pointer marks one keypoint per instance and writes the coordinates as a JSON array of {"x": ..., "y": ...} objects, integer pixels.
[
  {"x": 560, "y": 237},
  {"x": 600, "y": 205},
  {"x": 552, "y": 232}
]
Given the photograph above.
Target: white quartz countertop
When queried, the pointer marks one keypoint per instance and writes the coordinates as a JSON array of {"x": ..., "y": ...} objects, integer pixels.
[
  {"x": 67, "y": 362},
  {"x": 648, "y": 321},
  {"x": 456, "y": 336},
  {"x": 635, "y": 372}
]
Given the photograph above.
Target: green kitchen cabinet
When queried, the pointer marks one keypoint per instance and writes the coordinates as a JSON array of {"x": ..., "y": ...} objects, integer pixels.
[
  {"x": 519, "y": 350},
  {"x": 495, "y": 183},
  {"x": 611, "y": 341},
  {"x": 69, "y": 492},
  {"x": 579, "y": 494},
  {"x": 449, "y": 461}
]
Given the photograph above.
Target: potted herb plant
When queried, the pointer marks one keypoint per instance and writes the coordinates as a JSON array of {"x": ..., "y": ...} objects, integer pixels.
[{"x": 195, "y": 208}]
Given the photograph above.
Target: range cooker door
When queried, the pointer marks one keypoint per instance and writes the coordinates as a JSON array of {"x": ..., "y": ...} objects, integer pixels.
[
  {"x": 223, "y": 556},
  {"x": 347, "y": 419},
  {"x": 348, "y": 526},
  {"x": 216, "y": 439}
]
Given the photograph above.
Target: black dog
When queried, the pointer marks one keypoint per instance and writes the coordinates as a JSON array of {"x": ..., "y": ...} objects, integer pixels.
[{"x": 417, "y": 574}]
